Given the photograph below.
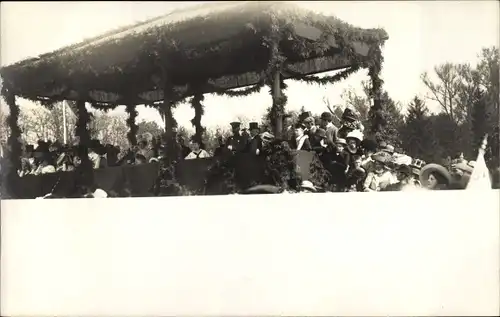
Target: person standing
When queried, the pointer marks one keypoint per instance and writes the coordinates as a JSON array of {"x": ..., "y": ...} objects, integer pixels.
[
  {"x": 254, "y": 146},
  {"x": 288, "y": 133},
  {"x": 301, "y": 141},
  {"x": 330, "y": 128},
  {"x": 236, "y": 143}
]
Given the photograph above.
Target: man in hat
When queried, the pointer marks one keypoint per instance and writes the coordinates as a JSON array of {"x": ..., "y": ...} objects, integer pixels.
[
  {"x": 310, "y": 126},
  {"x": 330, "y": 128},
  {"x": 288, "y": 128},
  {"x": 318, "y": 141},
  {"x": 236, "y": 143},
  {"x": 304, "y": 115},
  {"x": 255, "y": 144}
]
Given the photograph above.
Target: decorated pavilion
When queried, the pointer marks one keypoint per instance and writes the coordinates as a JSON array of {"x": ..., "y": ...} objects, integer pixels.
[{"x": 211, "y": 48}]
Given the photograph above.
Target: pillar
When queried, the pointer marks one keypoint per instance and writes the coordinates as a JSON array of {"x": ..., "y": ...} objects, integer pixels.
[
  {"x": 83, "y": 134},
  {"x": 132, "y": 133},
  {"x": 169, "y": 118},
  {"x": 198, "y": 109},
  {"x": 14, "y": 139},
  {"x": 278, "y": 123}
]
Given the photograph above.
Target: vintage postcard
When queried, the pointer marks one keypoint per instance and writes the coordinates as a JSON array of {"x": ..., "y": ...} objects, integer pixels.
[{"x": 162, "y": 100}]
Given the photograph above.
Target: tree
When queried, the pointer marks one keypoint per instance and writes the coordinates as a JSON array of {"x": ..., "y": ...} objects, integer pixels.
[
  {"x": 445, "y": 133},
  {"x": 445, "y": 92},
  {"x": 149, "y": 127},
  {"x": 359, "y": 102},
  {"x": 416, "y": 136},
  {"x": 109, "y": 129},
  {"x": 392, "y": 121},
  {"x": 479, "y": 119}
]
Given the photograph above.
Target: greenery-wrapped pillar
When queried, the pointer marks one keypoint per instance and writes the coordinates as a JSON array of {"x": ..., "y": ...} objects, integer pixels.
[
  {"x": 85, "y": 170},
  {"x": 14, "y": 140},
  {"x": 196, "y": 103},
  {"x": 170, "y": 124},
  {"x": 376, "y": 112},
  {"x": 276, "y": 82},
  {"x": 278, "y": 108},
  {"x": 132, "y": 126}
]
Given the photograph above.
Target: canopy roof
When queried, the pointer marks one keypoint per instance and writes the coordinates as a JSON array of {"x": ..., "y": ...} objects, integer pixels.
[{"x": 219, "y": 45}]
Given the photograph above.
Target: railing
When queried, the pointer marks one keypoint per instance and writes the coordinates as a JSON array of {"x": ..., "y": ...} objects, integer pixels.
[{"x": 139, "y": 179}]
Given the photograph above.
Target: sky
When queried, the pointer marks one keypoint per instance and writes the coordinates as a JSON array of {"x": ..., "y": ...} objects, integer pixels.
[{"x": 421, "y": 36}]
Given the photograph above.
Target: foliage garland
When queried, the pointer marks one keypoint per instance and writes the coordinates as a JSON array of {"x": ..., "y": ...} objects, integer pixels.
[
  {"x": 15, "y": 132},
  {"x": 312, "y": 79},
  {"x": 133, "y": 128},
  {"x": 241, "y": 93},
  {"x": 84, "y": 171}
]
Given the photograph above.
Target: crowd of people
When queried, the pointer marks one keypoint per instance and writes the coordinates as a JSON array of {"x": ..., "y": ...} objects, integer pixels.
[{"x": 355, "y": 163}]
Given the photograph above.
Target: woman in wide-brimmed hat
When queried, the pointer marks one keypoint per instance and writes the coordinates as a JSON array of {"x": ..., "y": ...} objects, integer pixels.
[
  {"x": 349, "y": 122},
  {"x": 435, "y": 177}
]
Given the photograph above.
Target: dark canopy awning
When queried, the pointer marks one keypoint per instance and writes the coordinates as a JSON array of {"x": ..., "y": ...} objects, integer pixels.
[{"x": 219, "y": 45}]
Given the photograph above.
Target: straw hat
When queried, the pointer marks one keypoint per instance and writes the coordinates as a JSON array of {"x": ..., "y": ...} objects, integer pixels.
[
  {"x": 355, "y": 134},
  {"x": 341, "y": 141},
  {"x": 308, "y": 186},
  {"x": 434, "y": 168}
]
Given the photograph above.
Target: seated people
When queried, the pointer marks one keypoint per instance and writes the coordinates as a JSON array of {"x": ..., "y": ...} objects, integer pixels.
[
  {"x": 381, "y": 176},
  {"x": 318, "y": 141},
  {"x": 196, "y": 149},
  {"x": 45, "y": 166}
]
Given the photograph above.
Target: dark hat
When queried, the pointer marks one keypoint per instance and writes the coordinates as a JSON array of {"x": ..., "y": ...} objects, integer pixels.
[
  {"x": 253, "y": 125},
  {"x": 369, "y": 145},
  {"x": 405, "y": 169},
  {"x": 434, "y": 168},
  {"x": 235, "y": 124},
  {"x": 321, "y": 133},
  {"x": 327, "y": 116},
  {"x": 358, "y": 173},
  {"x": 349, "y": 115},
  {"x": 196, "y": 139},
  {"x": 305, "y": 115}
]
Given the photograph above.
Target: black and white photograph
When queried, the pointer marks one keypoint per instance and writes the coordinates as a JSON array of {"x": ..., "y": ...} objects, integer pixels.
[
  {"x": 247, "y": 97},
  {"x": 178, "y": 119}
]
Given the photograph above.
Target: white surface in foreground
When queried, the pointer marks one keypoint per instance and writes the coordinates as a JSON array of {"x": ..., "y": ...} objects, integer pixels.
[{"x": 424, "y": 253}]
